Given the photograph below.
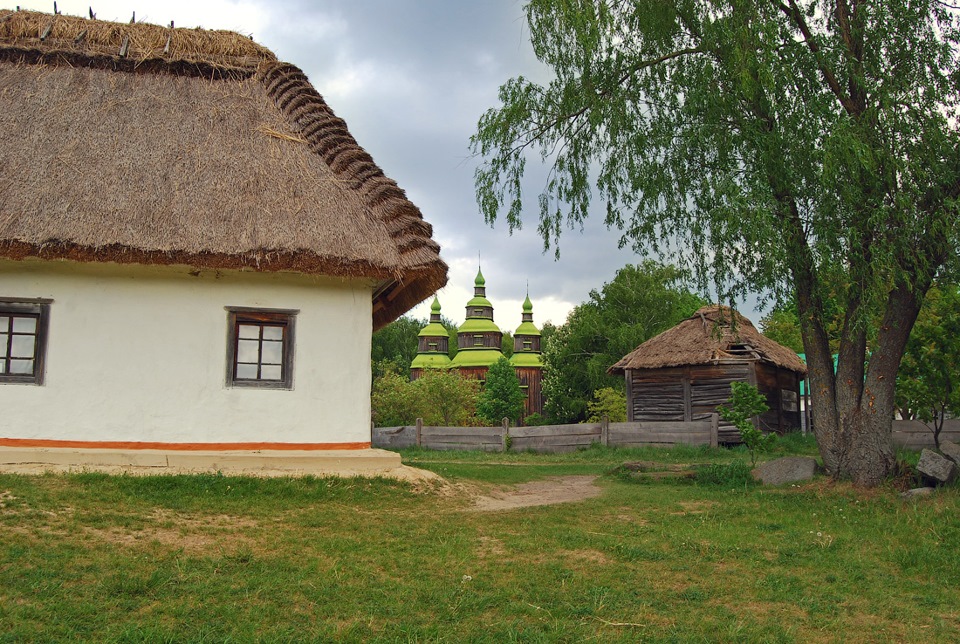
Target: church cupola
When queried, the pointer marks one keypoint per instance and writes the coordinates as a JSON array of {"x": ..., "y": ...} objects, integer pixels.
[
  {"x": 433, "y": 343},
  {"x": 526, "y": 340},
  {"x": 479, "y": 339}
]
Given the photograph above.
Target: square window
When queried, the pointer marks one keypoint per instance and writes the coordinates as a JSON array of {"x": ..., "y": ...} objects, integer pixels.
[
  {"x": 260, "y": 348},
  {"x": 23, "y": 340}
]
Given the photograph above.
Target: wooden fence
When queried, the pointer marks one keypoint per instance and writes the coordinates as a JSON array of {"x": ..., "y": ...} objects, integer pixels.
[
  {"x": 910, "y": 434},
  {"x": 913, "y": 434},
  {"x": 549, "y": 438}
]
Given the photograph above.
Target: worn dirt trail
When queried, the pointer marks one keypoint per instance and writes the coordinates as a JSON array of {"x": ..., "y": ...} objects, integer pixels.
[{"x": 549, "y": 491}]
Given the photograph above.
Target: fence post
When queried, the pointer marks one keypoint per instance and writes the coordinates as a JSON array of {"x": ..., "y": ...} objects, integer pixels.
[
  {"x": 605, "y": 430},
  {"x": 505, "y": 423},
  {"x": 714, "y": 430},
  {"x": 419, "y": 430}
]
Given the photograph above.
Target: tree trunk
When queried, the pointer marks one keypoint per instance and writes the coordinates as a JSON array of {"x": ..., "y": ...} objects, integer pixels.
[{"x": 854, "y": 429}]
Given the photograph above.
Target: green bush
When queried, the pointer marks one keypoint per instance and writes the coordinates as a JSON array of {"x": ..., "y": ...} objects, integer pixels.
[
  {"x": 607, "y": 402},
  {"x": 745, "y": 403}
]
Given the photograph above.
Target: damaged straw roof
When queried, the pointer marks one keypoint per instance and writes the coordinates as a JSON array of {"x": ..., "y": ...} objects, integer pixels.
[
  {"x": 139, "y": 143},
  {"x": 712, "y": 334}
]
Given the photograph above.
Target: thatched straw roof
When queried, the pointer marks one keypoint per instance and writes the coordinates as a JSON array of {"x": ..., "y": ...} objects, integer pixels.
[
  {"x": 146, "y": 144},
  {"x": 710, "y": 335}
]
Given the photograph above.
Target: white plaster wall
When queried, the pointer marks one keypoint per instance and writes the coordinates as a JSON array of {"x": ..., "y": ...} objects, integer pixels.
[{"x": 138, "y": 353}]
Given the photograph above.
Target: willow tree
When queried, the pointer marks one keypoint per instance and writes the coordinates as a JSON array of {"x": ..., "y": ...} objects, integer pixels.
[{"x": 776, "y": 146}]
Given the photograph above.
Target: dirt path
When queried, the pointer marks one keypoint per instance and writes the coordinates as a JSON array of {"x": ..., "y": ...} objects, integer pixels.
[{"x": 549, "y": 491}]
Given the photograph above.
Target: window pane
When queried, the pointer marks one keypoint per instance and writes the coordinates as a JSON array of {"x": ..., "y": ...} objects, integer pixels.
[
  {"x": 273, "y": 333},
  {"x": 21, "y": 366},
  {"x": 272, "y": 352},
  {"x": 249, "y": 331},
  {"x": 248, "y": 351},
  {"x": 22, "y": 347},
  {"x": 269, "y": 372},
  {"x": 247, "y": 371},
  {"x": 24, "y": 325},
  {"x": 3, "y": 343},
  {"x": 3, "y": 366},
  {"x": 4, "y": 323}
]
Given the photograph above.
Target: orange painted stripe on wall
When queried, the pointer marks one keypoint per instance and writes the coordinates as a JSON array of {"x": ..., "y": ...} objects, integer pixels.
[{"x": 179, "y": 447}]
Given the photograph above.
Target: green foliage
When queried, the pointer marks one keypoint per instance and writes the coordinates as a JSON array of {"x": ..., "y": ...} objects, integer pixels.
[
  {"x": 783, "y": 326},
  {"x": 767, "y": 147},
  {"x": 506, "y": 344},
  {"x": 439, "y": 397},
  {"x": 928, "y": 383},
  {"x": 745, "y": 403},
  {"x": 532, "y": 420},
  {"x": 501, "y": 396},
  {"x": 395, "y": 344},
  {"x": 608, "y": 402},
  {"x": 640, "y": 302},
  {"x": 394, "y": 401}
]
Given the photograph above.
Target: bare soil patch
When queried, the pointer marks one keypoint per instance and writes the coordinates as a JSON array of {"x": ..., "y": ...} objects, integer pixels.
[{"x": 549, "y": 491}]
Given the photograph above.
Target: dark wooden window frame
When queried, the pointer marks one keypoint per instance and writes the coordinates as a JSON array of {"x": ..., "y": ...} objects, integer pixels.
[
  {"x": 39, "y": 309},
  {"x": 283, "y": 318}
]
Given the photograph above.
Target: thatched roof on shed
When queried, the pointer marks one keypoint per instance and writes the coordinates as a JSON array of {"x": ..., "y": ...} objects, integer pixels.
[
  {"x": 712, "y": 334},
  {"x": 146, "y": 144}
]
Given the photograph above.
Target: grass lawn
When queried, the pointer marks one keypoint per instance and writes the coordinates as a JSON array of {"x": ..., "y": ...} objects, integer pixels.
[{"x": 209, "y": 558}]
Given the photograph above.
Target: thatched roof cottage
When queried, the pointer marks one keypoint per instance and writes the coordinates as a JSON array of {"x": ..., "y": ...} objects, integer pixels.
[
  {"x": 193, "y": 248},
  {"x": 685, "y": 372}
]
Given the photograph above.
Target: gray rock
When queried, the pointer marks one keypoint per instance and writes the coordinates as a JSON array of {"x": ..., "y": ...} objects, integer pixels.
[
  {"x": 950, "y": 450},
  {"x": 935, "y": 468},
  {"x": 917, "y": 492},
  {"x": 786, "y": 470}
]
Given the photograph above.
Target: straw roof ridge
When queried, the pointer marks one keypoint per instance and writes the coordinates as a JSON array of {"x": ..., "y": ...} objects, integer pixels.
[
  {"x": 35, "y": 37},
  {"x": 159, "y": 166},
  {"x": 712, "y": 334},
  {"x": 304, "y": 106}
]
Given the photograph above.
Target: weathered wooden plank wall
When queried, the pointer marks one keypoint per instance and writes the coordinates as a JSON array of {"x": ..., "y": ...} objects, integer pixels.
[{"x": 550, "y": 438}]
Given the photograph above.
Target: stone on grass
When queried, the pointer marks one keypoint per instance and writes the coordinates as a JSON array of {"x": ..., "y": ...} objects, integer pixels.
[
  {"x": 786, "y": 470},
  {"x": 937, "y": 469},
  {"x": 917, "y": 492},
  {"x": 951, "y": 450}
]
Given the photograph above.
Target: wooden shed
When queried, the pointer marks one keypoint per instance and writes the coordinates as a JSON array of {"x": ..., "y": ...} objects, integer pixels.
[{"x": 685, "y": 372}]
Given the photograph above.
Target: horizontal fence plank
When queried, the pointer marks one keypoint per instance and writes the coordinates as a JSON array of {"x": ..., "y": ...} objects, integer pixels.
[
  {"x": 395, "y": 437},
  {"x": 548, "y": 438},
  {"x": 915, "y": 435},
  {"x": 553, "y": 430}
]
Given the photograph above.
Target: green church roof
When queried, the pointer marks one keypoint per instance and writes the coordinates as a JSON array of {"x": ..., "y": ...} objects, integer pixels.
[
  {"x": 480, "y": 357},
  {"x": 479, "y": 301},
  {"x": 526, "y": 359},
  {"x": 434, "y": 329},
  {"x": 478, "y": 325},
  {"x": 430, "y": 361},
  {"x": 527, "y": 328}
]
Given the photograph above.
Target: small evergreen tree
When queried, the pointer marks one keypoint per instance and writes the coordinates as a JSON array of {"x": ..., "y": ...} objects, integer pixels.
[{"x": 501, "y": 396}]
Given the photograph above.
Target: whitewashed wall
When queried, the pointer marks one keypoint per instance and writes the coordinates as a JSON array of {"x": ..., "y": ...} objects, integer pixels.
[{"x": 138, "y": 354}]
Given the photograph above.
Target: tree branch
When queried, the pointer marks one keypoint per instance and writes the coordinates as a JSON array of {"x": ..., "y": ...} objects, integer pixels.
[{"x": 792, "y": 11}]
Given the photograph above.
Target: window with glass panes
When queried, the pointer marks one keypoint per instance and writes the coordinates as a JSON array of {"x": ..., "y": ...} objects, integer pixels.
[
  {"x": 261, "y": 348},
  {"x": 22, "y": 340}
]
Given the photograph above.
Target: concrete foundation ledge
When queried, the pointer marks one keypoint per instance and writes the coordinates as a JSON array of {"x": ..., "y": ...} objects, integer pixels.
[{"x": 359, "y": 462}]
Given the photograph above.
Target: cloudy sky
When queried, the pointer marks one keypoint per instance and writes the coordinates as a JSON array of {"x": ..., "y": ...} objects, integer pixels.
[{"x": 411, "y": 78}]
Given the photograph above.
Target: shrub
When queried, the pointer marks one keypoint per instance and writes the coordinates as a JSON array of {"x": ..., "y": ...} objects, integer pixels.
[
  {"x": 501, "y": 396},
  {"x": 608, "y": 402},
  {"x": 745, "y": 403}
]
